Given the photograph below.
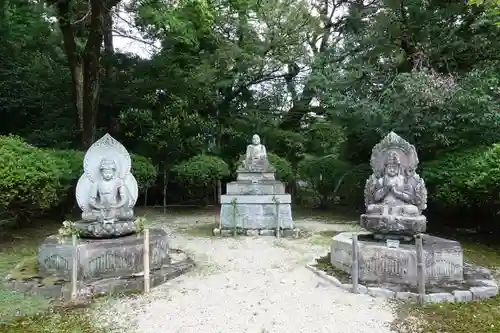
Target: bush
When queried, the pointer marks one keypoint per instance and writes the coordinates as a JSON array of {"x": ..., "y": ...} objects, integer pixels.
[
  {"x": 144, "y": 171},
  {"x": 333, "y": 181},
  {"x": 30, "y": 178},
  {"x": 201, "y": 169},
  {"x": 465, "y": 186},
  {"x": 33, "y": 180},
  {"x": 284, "y": 171}
]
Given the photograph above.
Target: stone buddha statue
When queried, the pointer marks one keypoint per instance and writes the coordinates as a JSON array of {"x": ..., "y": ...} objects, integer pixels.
[
  {"x": 106, "y": 191},
  {"x": 108, "y": 198},
  {"x": 256, "y": 155},
  {"x": 395, "y": 195}
]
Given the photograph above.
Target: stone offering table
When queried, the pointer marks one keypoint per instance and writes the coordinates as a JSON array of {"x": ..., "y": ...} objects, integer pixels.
[{"x": 256, "y": 200}]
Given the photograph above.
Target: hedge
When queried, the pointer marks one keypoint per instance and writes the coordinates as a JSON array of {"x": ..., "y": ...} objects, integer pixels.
[
  {"x": 33, "y": 180},
  {"x": 465, "y": 187}
]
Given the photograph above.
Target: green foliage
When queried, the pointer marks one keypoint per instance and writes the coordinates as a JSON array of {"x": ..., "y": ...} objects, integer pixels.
[
  {"x": 201, "y": 169},
  {"x": 31, "y": 179},
  {"x": 466, "y": 184},
  {"x": 284, "y": 170},
  {"x": 144, "y": 171},
  {"x": 332, "y": 180}
]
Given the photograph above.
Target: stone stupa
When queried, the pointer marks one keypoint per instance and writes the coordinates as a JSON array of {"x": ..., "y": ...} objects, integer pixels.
[{"x": 249, "y": 204}]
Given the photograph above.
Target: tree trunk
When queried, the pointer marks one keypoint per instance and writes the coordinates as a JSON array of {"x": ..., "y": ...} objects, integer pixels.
[{"x": 85, "y": 67}]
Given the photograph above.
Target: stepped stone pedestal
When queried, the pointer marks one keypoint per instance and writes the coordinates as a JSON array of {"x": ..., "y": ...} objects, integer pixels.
[{"x": 250, "y": 202}]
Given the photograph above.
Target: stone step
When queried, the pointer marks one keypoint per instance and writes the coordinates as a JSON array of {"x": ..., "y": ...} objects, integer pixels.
[
  {"x": 256, "y": 199},
  {"x": 248, "y": 188}
]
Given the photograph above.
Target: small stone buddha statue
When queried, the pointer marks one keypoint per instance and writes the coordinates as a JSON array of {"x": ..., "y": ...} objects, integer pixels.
[
  {"x": 256, "y": 155},
  {"x": 108, "y": 198},
  {"x": 393, "y": 196}
]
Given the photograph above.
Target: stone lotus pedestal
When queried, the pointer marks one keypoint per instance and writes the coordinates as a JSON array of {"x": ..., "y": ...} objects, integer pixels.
[
  {"x": 250, "y": 202},
  {"x": 103, "y": 258},
  {"x": 443, "y": 259}
]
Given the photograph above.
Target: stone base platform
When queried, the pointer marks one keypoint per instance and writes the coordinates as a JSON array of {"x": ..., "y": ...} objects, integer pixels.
[
  {"x": 443, "y": 260},
  {"x": 102, "y": 258},
  {"x": 60, "y": 289},
  {"x": 255, "y": 211},
  {"x": 391, "y": 227},
  {"x": 105, "y": 230},
  {"x": 478, "y": 284}
]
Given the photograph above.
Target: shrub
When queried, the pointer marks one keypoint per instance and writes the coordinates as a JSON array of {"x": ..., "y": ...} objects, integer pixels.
[
  {"x": 144, "y": 171},
  {"x": 284, "y": 170},
  {"x": 465, "y": 185},
  {"x": 201, "y": 169},
  {"x": 30, "y": 178},
  {"x": 332, "y": 180}
]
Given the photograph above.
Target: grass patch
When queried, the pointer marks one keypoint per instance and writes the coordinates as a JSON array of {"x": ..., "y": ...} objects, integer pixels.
[
  {"x": 323, "y": 237},
  {"x": 20, "y": 313},
  {"x": 470, "y": 317},
  {"x": 54, "y": 322},
  {"x": 200, "y": 230}
]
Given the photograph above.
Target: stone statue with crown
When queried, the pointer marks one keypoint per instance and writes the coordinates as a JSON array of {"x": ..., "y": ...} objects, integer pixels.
[
  {"x": 395, "y": 195},
  {"x": 107, "y": 191}
]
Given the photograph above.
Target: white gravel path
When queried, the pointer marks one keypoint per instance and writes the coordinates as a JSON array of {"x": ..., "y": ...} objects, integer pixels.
[{"x": 246, "y": 284}]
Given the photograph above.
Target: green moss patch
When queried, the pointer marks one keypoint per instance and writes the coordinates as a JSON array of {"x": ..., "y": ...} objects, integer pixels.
[
  {"x": 324, "y": 264},
  {"x": 27, "y": 269}
]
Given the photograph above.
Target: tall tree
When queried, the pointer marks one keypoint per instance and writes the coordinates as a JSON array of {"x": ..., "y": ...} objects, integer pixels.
[{"x": 83, "y": 26}]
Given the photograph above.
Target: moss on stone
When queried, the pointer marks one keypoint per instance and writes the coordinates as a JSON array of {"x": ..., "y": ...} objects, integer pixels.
[{"x": 27, "y": 269}]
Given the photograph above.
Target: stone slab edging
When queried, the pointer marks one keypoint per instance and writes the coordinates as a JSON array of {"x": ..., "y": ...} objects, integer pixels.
[
  {"x": 485, "y": 289},
  {"x": 225, "y": 232}
]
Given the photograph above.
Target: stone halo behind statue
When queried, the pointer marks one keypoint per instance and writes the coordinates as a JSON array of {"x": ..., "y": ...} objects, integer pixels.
[
  {"x": 107, "y": 191},
  {"x": 395, "y": 195}
]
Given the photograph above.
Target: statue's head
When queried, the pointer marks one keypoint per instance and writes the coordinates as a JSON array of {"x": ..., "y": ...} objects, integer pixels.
[
  {"x": 107, "y": 168},
  {"x": 255, "y": 139},
  {"x": 392, "y": 164}
]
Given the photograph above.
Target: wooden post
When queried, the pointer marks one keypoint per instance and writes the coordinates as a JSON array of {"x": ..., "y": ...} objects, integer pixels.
[
  {"x": 146, "y": 260},
  {"x": 277, "y": 218},
  {"x": 74, "y": 268},
  {"x": 420, "y": 269},
  {"x": 355, "y": 263},
  {"x": 234, "y": 218}
]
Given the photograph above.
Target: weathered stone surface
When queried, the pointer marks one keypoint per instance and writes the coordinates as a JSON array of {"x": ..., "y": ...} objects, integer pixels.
[
  {"x": 107, "y": 191},
  {"x": 439, "y": 298},
  {"x": 252, "y": 232},
  {"x": 256, "y": 212},
  {"x": 103, "y": 258},
  {"x": 483, "y": 292},
  {"x": 267, "y": 232},
  {"x": 380, "y": 292},
  {"x": 114, "y": 285},
  {"x": 256, "y": 157},
  {"x": 405, "y": 295},
  {"x": 462, "y": 295},
  {"x": 395, "y": 195},
  {"x": 380, "y": 264},
  {"x": 263, "y": 187}
]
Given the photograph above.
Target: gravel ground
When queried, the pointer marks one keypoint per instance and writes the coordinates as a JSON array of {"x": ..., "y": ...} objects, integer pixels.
[{"x": 245, "y": 284}]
